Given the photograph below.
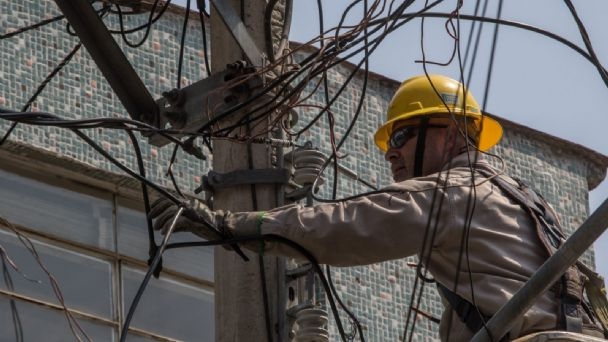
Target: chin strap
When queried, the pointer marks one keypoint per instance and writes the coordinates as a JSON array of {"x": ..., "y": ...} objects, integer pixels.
[{"x": 420, "y": 146}]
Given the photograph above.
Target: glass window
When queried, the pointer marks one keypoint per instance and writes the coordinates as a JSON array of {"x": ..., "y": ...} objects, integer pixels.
[
  {"x": 133, "y": 241},
  {"x": 170, "y": 308},
  {"x": 84, "y": 282},
  {"x": 38, "y": 323},
  {"x": 53, "y": 210}
]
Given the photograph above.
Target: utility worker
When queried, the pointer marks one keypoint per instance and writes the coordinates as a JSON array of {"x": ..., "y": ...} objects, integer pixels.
[{"x": 479, "y": 245}]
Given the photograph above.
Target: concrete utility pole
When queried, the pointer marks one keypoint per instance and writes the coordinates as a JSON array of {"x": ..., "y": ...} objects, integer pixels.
[{"x": 239, "y": 305}]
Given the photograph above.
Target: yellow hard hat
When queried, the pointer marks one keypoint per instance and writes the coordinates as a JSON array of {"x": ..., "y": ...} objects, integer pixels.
[{"x": 442, "y": 95}]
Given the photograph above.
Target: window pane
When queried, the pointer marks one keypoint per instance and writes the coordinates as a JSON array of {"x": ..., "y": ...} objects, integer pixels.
[
  {"x": 63, "y": 213},
  {"x": 85, "y": 282},
  {"x": 133, "y": 241},
  {"x": 45, "y": 324},
  {"x": 170, "y": 308}
]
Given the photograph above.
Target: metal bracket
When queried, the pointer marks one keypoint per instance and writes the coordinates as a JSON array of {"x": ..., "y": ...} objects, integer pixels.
[
  {"x": 239, "y": 31},
  {"x": 188, "y": 109},
  {"x": 298, "y": 272},
  {"x": 215, "y": 180}
]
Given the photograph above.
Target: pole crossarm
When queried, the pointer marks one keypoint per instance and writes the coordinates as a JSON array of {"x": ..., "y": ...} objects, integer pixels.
[
  {"x": 239, "y": 31},
  {"x": 110, "y": 59}
]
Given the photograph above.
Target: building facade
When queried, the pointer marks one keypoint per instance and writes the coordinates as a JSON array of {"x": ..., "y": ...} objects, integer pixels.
[{"x": 84, "y": 217}]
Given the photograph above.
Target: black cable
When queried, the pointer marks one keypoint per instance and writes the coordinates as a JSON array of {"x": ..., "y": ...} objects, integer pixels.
[
  {"x": 148, "y": 26},
  {"x": 102, "y": 12},
  {"x": 170, "y": 170},
  {"x": 31, "y": 27},
  {"x": 152, "y": 247},
  {"x": 425, "y": 257},
  {"x": 517, "y": 25},
  {"x": 318, "y": 70},
  {"x": 476, "y": 47},
  {"x": 491, "y": 64},
  {"x": 376, "y": 42},
  {"x": 587, "y": 41},
  {"x": 473, "y": 26},
  {"x": 428, "y": 225},
  {"x": 41, "y": 87},
  {"x": 333, "y": 51},
  {"x": 8, "y": 282},
  {"x": 201, "y": 16},
  {"x": 130, "y": 172},
  {"x": 471, "y": 203},
  {"x": 287, "y": 16},
  {"x": 273, "y": 237},
  {"x": 51, "y": 75},
  {"x": 361, "y": 100},
  {"x": 180, "y": 59},
  {"x": 144, "y": 26},
  {"x": 40, "y": 24},
  {"x": 47, "y": 119},
  {"x": 268, "y": 39},
  {"x": 153, "y": 266},
  {"x": 334, "y": 156}
]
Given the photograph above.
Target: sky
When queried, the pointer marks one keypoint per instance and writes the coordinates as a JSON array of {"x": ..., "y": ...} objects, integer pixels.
[{"x": 536, "y": 81}]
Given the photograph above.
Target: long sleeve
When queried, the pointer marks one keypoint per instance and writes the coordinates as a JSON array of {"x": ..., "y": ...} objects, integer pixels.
[{"x": 389, "y": 224}]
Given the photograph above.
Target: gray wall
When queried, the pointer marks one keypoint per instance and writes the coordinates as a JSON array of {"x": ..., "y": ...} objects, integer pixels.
[{"x": 379, "y": 294}]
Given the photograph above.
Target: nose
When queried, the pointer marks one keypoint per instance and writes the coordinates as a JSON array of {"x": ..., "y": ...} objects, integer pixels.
[{"x": 391, "y": 154}]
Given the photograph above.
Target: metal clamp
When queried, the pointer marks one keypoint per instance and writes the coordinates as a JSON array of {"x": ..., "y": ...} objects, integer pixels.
[
  {"x": 188, "y": 109},
  {"x": 215, "y": 180}
]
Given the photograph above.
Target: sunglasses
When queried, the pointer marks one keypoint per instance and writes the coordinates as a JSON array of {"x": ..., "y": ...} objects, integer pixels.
[{"x": 401, "y": 135}]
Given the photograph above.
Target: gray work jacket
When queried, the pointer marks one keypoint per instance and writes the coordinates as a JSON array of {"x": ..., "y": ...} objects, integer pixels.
[{"x": 427, "y": 216}]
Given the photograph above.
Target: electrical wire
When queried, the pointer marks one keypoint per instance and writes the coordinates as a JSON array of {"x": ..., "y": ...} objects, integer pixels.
[
  {"x": 523, "y": 26},
  {"x": 31, "y": 27},
  {"x": 42, "y": 23},
  {"x": 410, "y": 317},
  {"x": 153, "y": 265},
  {"x": 102, "y": 12},
  {"x": 273, "y": 237},
  {"x": 135, "y": 175},
  {"x": 587, "y": 41},
  {"x": 340, "y": 44},
  {"x": 151, "y": 20},
  {"x": 8, "y": 283},
  {"x": 41, "y": 87},
  {"x": 180, "y": 59},
  {"x": 284, "y": 37},
  {"x": 75, "y": 327},
  {"x": 491, "y": 64},
  {"x": 201, "y": 15},
  {"x": 471, "y": 66}
]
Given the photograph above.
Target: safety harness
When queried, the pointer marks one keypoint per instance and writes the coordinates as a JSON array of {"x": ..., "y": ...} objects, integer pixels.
[
  {"x": 573, "y": 311},
  {"x": 420, "y": 146}
]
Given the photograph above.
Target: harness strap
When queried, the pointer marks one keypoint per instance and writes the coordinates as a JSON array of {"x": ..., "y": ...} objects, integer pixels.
[
  {"x": 466, "y": 311},
  {"x": 420, "y": 146},
  {"x": 570, "y": 288}
]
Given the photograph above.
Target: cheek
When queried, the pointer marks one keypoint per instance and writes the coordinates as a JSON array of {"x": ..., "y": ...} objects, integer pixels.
[{"x": 435, "y": 154}]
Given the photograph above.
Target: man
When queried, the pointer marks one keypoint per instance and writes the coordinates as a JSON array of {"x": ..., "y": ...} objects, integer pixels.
[{"x": 478, "y": 244}]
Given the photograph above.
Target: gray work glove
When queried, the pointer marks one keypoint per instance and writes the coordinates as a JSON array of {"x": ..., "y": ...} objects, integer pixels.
[{"x": 192, "y": 219}]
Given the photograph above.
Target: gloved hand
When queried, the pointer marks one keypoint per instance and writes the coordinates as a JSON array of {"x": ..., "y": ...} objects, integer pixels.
[{"x": 195, "y": 218}]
